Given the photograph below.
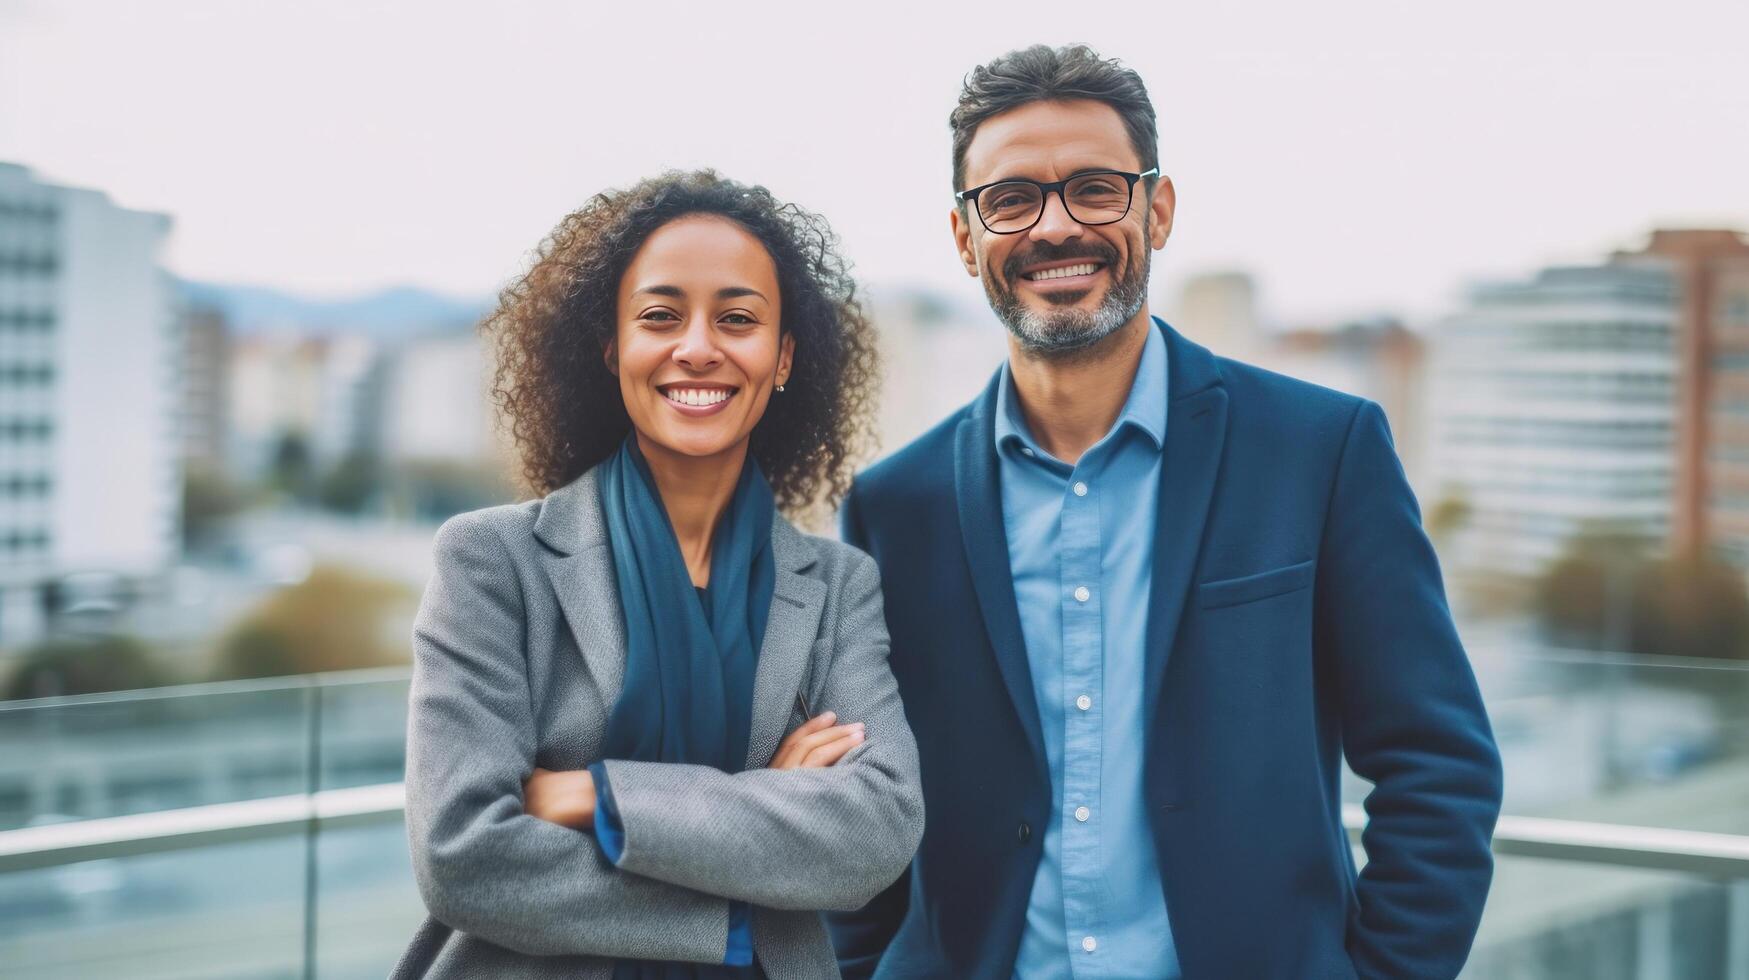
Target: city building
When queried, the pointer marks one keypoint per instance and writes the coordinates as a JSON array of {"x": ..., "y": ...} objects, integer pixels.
[
  {"x": 937, "y": 354},
  {"x": 1711, "y": 270},
  {"x": 277, "y": 393},
  {"x": 89, "y": 394},
  {"x": 206, "y": 343},
  {"x": 1219, "y": 311},
  {"x": 1556, "y": 413},
  {"x": 1378, "y": 359},
  {"x": 324, "y": 391},
  {"x": 435, "y": 407},
  {"x": 350, "y": 407}
]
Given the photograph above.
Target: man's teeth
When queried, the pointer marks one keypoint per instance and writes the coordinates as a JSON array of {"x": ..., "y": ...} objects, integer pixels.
[
  {"x": 697, "y": 396},
  {"x": 1084, "y": 269}
]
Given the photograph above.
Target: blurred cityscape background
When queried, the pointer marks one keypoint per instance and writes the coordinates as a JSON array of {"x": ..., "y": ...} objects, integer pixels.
[{"x": 217, "y": 502}]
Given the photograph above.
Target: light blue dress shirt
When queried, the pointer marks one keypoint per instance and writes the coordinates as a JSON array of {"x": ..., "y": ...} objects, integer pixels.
[{"x": 1080, "y": 545}]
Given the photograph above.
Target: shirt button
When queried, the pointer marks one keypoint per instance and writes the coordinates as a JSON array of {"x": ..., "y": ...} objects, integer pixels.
[
  {"x": 1082, "y": 813},
  {"x": 1080, "y": 489},
  {"x": 1081, "y": 593},
  {"x": 1089, "y": 944},
  {"x": 1025, "y": 832},
  {"x": 1083, "y": 702}
]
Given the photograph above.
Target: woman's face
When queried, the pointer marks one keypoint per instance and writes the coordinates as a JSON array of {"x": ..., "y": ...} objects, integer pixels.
[{"x": 697, "y": 349}]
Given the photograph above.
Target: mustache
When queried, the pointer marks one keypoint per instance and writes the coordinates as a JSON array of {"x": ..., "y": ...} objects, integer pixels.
[{"x": 1046, "y": 252}]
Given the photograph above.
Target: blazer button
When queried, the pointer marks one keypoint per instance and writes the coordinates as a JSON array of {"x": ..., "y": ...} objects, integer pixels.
[{"x": 1025, "y": 831}]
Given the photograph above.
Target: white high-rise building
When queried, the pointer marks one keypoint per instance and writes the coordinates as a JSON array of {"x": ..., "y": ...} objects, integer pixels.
[
  {"x": 1556, "y": 411},
  {"x": 89, "y": 479}
]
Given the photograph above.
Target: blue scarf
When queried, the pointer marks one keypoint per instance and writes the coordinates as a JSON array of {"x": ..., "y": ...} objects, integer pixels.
[{"x": 690, "y": 657}]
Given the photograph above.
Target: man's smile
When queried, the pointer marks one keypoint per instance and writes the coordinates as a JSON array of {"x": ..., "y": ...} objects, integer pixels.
[{"x": 1063, "y": 274}]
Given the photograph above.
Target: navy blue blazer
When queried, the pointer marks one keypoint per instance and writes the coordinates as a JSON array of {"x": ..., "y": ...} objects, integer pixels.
[{"x": 1297, "y": 617}]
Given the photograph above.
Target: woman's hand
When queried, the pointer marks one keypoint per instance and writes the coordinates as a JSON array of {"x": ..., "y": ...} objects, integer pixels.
[
  {"x": 564, "y": 798},
  {"x": 817, "y": 744}
]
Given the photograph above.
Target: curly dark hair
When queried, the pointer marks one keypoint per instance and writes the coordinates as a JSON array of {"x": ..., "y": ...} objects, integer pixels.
[{"x": 551, "y": 326}]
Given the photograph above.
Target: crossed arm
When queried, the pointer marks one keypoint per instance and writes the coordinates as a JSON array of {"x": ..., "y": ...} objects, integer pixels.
[
  {"x": 568, "y": 797},
  {"x": 696, "y": 838}
]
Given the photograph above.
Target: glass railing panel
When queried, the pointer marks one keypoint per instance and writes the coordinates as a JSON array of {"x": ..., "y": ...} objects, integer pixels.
[
  {"x": 1617, "y": 739},
  {"x": 1562, "y": 920},
  {"x": 113, "y": 755},
  {"x": 367, "y": 907},
  {"x": 362, "y": 727},
  {"x": 230, "y": 910}
]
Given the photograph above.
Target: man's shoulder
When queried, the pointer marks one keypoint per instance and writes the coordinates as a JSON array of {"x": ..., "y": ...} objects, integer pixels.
[
  {"x": 1259, "y": 398},
  {"x": 921, "y": 467}
]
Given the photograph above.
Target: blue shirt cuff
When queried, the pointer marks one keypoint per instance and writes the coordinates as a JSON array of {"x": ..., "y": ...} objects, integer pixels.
[
  {"x": 610, "y": 833},
  {"x": 740, "y": 951}
]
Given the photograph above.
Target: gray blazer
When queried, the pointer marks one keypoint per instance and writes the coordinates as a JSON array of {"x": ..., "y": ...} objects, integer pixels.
[{"x": 519, "y": 653}]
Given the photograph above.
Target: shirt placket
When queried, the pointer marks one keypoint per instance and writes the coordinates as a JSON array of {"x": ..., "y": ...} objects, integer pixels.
[{"x": 1083, "y": 714}]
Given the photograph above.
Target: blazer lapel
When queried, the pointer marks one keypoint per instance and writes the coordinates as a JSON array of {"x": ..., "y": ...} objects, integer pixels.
[
  {"x": 1196, "y": 430},
  {"x": 796, "y": 604},
  {"x": 580, "y": 567},
  {"x": 977, "y": 482}
]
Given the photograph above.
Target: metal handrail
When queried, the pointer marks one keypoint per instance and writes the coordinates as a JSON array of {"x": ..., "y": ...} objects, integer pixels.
[
  {"x": 1719, "y": 856},
  {"x": 1722, "y": 856},
  {"x": 198, "y": 826},
  {"x": 289, "y": 682}
]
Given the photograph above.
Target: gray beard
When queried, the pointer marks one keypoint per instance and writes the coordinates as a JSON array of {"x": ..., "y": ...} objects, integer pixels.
[{"x": 1064, "y": 333}]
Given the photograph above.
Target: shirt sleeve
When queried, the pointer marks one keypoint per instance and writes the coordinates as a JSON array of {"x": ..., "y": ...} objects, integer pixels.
[
  {"x": 610, "y": 832},
  {"x": 740, "y": 949},
  {"x": 610, "y": 838}
]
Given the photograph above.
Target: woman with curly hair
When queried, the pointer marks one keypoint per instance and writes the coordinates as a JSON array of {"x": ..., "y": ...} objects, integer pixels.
[{"x": 652, "y": 729}]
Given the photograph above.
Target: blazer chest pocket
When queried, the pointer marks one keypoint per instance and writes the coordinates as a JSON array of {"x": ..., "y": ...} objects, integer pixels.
[{"x": 1261, "y": 585}]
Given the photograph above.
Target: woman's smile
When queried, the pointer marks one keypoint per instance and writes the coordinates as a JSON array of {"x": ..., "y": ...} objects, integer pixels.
[{"x": 697, "y": 399}]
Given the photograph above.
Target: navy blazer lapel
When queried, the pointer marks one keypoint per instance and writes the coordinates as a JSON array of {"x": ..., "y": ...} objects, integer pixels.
[
  {"x": 1196, "y": 431},
  {"x": 977, "y": 484}
]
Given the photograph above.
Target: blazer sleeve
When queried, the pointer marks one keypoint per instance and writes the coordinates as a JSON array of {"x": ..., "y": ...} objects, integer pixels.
[
  {"x": 810, "y": 839},
  {"x": 483, "y": 865},
  {"x": 861, "y": 936},
  {"x": 1413, "y": 722}
]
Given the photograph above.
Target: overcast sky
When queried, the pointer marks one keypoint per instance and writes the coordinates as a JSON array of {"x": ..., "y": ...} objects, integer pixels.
[{"x": 1355, "y": 157}]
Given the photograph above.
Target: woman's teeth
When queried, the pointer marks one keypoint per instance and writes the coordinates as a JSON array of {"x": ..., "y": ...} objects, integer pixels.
[
  {"x": 1084, "y": 269},
  {"x": 697, "y": 397}
]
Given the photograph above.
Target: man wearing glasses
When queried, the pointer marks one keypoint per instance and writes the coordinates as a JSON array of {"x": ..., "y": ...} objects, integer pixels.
[{"x": 1144, "y": 600}]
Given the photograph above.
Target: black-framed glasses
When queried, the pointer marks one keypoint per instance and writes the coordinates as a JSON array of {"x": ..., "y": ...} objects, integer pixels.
[{"x": 1092, "y": 197}]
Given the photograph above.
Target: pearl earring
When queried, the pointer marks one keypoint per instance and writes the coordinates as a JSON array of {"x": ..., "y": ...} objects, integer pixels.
[{"x": 780, "y": 387}]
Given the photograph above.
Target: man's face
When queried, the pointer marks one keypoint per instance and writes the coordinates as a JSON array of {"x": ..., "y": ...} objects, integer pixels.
[{"x": 1047, "y": 312}]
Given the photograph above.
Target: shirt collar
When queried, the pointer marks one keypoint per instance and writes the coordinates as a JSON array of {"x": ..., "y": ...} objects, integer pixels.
[{"x": 1144, "y": 410}]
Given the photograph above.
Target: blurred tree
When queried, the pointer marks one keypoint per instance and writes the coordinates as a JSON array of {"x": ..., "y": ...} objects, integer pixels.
[
  {"x": 1608, "y": 593},
  {"x": 208, "y": 498},
  {"x": 1691, "y": 608},
  {"x": 85, "y": 665},
  {"x": 292, "y": 470},
  {"x": 337, "y": 619},
  {"x": 434, "y": 490},
  {"x": 1448, "y": 514},
  {"x": 352, "y": 482},
  {"x": 1585, "y": 598}
]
